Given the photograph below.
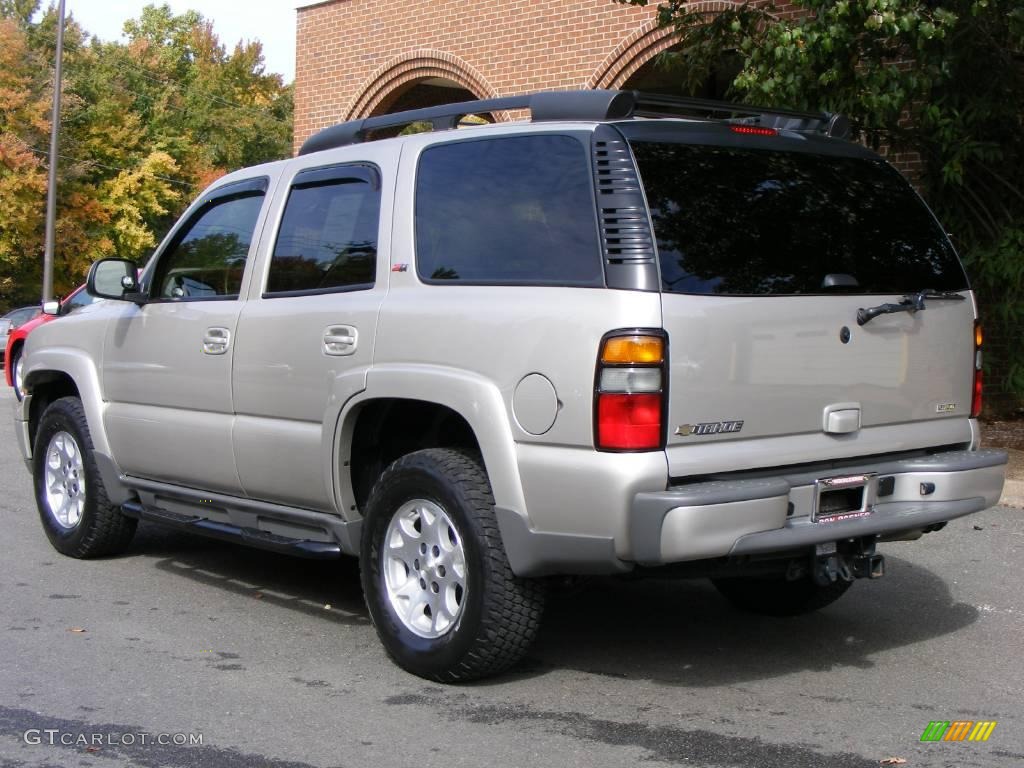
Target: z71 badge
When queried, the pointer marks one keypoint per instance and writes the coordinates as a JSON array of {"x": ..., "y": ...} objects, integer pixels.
[{"x": 711, "y": 428}]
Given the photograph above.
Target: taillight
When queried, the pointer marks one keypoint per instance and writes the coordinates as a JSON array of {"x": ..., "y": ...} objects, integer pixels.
[
  {"x": 976, "y": 397},
  {"x": 629, "y": 400}
]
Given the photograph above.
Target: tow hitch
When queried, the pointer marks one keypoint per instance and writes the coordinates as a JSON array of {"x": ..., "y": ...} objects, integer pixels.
[{"x": 847, "y": 561}]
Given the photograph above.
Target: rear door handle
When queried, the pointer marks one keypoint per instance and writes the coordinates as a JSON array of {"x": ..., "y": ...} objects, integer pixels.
[
  {"x": 216, "y": 341},
  {"x": 340, "y": 340}
]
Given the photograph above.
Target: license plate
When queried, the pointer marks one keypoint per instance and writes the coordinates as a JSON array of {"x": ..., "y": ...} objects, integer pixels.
[{"x": 846, "y": 497}]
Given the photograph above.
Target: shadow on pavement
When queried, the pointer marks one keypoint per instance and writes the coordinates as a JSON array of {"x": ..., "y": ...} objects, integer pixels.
[
  {"x": 672, "y": 631},
  {"x": 305, "y": 586},
  {"x": 683, "y": 632}
]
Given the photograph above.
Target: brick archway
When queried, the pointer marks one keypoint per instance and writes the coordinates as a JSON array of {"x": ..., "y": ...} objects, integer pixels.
[
  {"x": 641, "y": 46},
  {"x": 412, "y": 67}
]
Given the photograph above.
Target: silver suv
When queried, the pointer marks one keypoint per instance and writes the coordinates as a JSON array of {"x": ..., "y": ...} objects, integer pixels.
[{"x": 630, "y": 334}]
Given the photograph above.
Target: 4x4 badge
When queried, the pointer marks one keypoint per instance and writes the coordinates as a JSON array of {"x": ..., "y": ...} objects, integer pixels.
[{"x": 710, "y": 428}]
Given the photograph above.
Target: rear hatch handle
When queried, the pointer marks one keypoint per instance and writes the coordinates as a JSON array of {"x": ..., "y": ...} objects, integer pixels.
[{"x": 912, "y": 303}]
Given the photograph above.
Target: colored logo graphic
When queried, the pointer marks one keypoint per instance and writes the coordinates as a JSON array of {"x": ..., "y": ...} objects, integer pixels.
[{"x": 958, "y": 730}]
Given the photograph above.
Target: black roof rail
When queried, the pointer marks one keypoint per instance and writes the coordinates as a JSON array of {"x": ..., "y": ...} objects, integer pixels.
[
  {"x": 543, "y": 106},
  {"x": 588, "y": 105}
]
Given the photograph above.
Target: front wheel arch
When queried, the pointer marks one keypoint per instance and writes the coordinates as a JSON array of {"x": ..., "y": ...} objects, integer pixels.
[{"x": 48, "y": 387}]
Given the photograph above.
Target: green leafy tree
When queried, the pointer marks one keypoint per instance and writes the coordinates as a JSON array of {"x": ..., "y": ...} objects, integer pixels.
[
  {"x": 940, "y": 78},
  {"x": 145, "y": 125}
]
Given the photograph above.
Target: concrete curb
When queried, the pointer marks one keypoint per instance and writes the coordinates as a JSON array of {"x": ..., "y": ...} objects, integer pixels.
[
  {"x": 1013, "y": 494},
  {"x": 1013, "y": 491}
]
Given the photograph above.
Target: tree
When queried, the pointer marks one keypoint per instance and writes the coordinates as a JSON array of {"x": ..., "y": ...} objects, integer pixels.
[
  {"x": 942, "y": 78},
  {"x": 145, "y": 125}
]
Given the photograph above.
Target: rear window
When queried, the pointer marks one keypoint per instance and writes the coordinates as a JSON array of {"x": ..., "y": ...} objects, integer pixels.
[
  {"x": 754, "y": 222},
  {"x": 510, "y": 210}
]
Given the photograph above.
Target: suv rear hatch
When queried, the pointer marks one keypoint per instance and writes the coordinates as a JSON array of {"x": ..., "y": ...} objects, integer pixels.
[{"x": 768, "y": 247}]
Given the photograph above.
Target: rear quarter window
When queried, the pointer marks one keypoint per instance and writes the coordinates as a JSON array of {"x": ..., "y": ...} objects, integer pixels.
[{"x": 516, "y": 210}]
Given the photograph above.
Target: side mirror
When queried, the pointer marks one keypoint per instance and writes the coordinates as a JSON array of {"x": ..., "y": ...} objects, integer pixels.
[
  {"x": 51, "y": 307},
  {"x": 114, "y": 279}
]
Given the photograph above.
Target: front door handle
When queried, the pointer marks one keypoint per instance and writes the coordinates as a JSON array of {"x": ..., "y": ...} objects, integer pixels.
[
  {"x": 340, "y": 340},
  {"x": 216, "y": 341}
]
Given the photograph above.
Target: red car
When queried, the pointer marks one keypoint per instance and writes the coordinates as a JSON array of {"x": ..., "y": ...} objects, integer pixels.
[{"x": 16, "y": 340}]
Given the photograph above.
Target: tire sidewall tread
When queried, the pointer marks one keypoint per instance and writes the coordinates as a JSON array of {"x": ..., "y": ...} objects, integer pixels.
[
  {"x": 103, "y": 529},
  {"x": 501, "y": 615}
]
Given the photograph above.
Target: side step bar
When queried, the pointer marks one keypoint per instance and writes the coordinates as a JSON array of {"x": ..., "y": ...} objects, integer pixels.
[{"x": 316, "y": 550}]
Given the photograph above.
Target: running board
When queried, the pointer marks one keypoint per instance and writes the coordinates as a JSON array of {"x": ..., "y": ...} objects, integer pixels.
[{"x": 252, "y": 537}]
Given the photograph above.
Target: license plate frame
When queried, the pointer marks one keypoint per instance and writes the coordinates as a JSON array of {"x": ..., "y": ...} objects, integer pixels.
[{"x": 832, "y": 497}]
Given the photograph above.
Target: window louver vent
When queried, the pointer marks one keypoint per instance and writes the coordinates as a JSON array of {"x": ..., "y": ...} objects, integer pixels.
[{"x": 625, "y": 229}]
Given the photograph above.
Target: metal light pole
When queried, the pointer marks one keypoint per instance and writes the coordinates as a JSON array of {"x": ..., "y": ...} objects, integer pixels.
[{"x": 51, "y": 191}]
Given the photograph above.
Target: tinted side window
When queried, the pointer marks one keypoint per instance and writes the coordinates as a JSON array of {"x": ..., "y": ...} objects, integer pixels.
[
  {"x": 756, "y": 222},
  {"x": 510, "y": 210},
  {"x": 208, "y": 258},
  {"x": 21, "y": 316},
  {"x": 328, "y": 235},
  {"x": 80, "y": 299}
]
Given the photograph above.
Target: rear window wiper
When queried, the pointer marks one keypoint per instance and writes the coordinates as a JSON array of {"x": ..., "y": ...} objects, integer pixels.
[{"x": 912, "y": 303}]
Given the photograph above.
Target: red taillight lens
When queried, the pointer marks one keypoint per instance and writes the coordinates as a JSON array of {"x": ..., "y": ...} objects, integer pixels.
[
  {"x": 630, "y": 391},
  {"x": 976, "y": 402},
  {"x": 628, "y": 422}
]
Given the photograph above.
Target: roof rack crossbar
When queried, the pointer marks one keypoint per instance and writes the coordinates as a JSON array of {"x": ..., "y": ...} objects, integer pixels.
[
  {"x": 588, "y": 105},
  {"x": 663, "y": 105},
  {"x": 721, "y": 107}
]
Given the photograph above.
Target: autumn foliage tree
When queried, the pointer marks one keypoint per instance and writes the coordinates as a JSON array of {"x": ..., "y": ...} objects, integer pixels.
[{"x": 145, "y": 125}]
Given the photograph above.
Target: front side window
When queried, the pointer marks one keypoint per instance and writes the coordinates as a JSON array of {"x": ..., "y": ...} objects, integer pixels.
[
  {"x": 207, "y": 259},
  {"x": 328, "y": 236},
  {"x": 734, "y": 221},
  {"x": 512, "y": 210}
]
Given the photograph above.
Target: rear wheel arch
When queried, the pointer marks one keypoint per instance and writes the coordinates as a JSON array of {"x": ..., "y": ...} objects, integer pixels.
[{"x": 378, "y": 431}]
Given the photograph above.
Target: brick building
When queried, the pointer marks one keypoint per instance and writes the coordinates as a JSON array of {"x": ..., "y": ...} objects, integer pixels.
[{"x": 357, "y": 58}]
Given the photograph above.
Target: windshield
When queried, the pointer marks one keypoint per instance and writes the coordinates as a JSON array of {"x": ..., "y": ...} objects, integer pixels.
[{"x": 734, "y": 221}]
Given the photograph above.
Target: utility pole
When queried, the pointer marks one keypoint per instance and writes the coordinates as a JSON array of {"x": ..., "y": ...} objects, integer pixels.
[{"x": 51, "y": 190}]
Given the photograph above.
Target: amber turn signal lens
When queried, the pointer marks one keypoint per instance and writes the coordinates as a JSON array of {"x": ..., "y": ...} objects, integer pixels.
[
  {"x": 978, "y": 335},
  {"x": 633, "y": 350}
]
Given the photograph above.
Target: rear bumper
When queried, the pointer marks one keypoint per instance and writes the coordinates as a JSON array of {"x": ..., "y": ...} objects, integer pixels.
[{"x": 773, "y": 514}]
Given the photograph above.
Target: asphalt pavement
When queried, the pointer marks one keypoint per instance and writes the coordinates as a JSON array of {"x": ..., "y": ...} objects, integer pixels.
[{"x": 187, "y": 652}]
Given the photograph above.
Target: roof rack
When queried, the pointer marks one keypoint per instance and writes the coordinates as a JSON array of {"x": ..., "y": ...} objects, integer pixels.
[
  {"x": 589, "y": 105},
  {"x": 659, "y": 105}
]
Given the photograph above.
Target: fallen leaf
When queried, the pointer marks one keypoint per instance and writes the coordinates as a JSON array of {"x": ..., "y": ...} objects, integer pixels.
[
  {"x": 258, "y": 595},
  {"x": 978, "y": 528},
  {"x": 92, "y": 749},
  {"x": 892, "y": 761},
  {"x": 77, "y": 630}
]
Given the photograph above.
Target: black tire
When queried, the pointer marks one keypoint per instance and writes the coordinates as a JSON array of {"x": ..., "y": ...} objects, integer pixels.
[
  {"x": 500, "y": 613},
  {"x": 101, "y": 529},
  {"x": 778, "y": 597}
]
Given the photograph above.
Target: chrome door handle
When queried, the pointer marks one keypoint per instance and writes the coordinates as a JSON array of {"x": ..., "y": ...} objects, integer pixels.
[
  {"x": 340, "y": 340},
  {"x": 216, "y": 341}
]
